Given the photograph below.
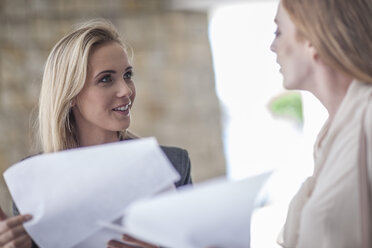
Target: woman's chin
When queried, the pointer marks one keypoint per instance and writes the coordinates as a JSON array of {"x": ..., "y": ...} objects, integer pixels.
[{"x": 289, "y": 85}]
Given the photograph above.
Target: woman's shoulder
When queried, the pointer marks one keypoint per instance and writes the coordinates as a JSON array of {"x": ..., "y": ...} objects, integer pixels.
[
  {"x": 175, "y": 153},
  {"x": 180, "y": 160}
]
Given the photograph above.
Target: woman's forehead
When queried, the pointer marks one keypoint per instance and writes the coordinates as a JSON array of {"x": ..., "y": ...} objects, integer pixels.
[{"x": 108, "y": 54}]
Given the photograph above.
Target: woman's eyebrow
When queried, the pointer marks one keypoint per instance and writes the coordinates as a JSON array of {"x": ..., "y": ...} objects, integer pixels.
[
  {"x": 106, "y": 71},
  {"x": 112, "y": 71}
]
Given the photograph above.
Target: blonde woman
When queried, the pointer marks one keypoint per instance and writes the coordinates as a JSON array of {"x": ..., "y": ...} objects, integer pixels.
[
  {"x": 324, "y": 47},
  {"x": 86, "y": 98}
]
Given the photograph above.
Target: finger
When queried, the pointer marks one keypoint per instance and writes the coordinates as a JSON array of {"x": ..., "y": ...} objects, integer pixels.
[
  {"x": 17, "y": 220},
  {"x": 141, "y": 243},
  {"x": 3, "y": 216},
  {"x": 12, "y": 222},
  {"x": 22, "y": 241},
  {"x": 118, "y": 244},
  {"x": 27, "y": 244},
  {"x": 12, "y": 234}
]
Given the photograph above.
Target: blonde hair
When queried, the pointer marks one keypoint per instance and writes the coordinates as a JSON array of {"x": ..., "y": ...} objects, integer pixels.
[
  {"x": 64, "y": 77},
  {"x": 340, "y": 30}
]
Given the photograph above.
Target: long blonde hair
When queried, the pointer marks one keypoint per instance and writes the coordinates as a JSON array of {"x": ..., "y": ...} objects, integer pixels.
[
  {"x": 64, "y": 77},
  {"x": 340, "y": 30}
]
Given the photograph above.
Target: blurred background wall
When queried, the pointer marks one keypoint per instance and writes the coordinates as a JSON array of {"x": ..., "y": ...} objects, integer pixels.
[{"x": 176, "y": 100}]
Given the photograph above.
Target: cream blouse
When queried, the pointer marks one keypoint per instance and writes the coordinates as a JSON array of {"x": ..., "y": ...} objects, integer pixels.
[{"x": 326, "y": 210}]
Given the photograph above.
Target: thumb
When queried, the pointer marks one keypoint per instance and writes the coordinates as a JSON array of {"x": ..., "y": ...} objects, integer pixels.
[{"x": 3, "y": 216}]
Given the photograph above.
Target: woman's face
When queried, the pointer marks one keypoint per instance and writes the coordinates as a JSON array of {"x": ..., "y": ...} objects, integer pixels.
[
  {"x": 103, "y": 106},
  {"x": 293, "y": 55}
]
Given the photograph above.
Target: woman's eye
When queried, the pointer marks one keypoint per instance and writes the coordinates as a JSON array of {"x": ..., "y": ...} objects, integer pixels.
[
  {"x": 106, "y": 79},
  {"x": 128, "y": 75}
]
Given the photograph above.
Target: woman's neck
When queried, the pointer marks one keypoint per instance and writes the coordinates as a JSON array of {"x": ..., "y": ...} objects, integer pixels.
[
  {"x": 331, "y": 88},
  {"x": 97, "y": 138}
]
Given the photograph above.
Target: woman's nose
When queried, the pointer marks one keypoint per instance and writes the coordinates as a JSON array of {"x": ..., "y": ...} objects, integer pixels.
[{"x": 123, "y": 89}]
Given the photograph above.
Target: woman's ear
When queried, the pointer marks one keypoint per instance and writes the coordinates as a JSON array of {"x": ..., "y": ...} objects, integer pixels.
[
  {"x": 312, "y": 50},
  {"x": 73, "y": 102}
]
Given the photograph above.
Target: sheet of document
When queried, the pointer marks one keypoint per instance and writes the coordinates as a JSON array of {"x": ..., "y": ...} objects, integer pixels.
[
  {"x": 216, "y": 213},
  {"x": 70, "y": 193}
]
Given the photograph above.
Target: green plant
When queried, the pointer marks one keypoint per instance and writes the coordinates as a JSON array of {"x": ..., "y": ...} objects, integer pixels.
[{"x": 288, "y": 105}]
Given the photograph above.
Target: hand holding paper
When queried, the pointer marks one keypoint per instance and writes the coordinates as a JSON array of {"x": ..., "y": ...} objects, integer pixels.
[
  {"x": 12, "y": 232},
  {"x": 129, "y": 241},
  {"x": 85, "y": 197}
]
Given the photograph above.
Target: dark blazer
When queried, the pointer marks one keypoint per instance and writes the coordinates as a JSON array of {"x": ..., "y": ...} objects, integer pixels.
[
  {"x": 178, "y": 157},
  {"x": 181, "y": 162}
]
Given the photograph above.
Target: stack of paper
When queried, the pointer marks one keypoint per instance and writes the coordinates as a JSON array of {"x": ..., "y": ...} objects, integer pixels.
[
  {"x": 85, "y": 197},
  {"x": 71, "y": 193},
  {"x": 212, "y": 214}
]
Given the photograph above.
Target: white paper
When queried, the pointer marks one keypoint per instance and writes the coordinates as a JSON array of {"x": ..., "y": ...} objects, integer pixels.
[
  {"x": 212, "y": 214},
  {"x": 70, "y": 193}
]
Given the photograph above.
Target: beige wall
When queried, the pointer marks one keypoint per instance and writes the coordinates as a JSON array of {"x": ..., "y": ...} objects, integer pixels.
[{"x": 176, "y": 101}]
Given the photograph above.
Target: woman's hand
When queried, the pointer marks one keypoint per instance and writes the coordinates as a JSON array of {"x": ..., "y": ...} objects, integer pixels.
[
  {"x": 12, "y": 232},
  {"x": 130, "y": 243}
]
